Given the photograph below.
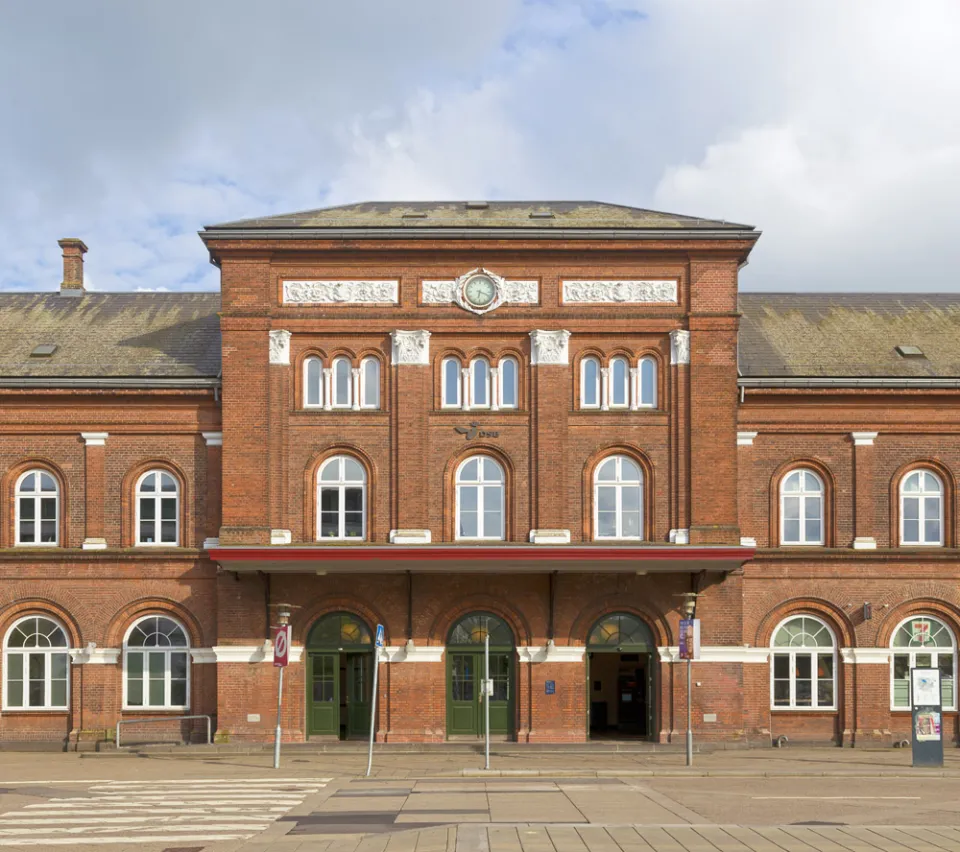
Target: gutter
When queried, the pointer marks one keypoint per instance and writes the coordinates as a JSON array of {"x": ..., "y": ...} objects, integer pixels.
[
  {"x": 420, "y": 233},
  {"x": 151, "y": 383},
  {"x": 847, "y": 382}
]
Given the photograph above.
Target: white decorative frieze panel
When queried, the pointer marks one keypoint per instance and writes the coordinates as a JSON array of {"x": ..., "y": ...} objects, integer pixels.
[
  {"x": 341, "y": 292},
  {"x": 480, "y": 291},
  {"x": 411, "y": 347},
  {"x": 618, "y": 292},
  {"x": 279, "y": 346},
  {"x": 550, "y": 347}
]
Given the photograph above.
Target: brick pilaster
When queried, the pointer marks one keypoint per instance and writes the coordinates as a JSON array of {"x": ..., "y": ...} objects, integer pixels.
[{"x": 93, "y": 475}]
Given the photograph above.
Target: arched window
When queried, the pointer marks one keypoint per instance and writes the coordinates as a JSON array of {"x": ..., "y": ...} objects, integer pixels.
[
  {"x": 621, "y": 630},
  {"x": 618, "y": 499},
  {"x": 921, "y": 509},
  {"x": 158, "y": 509},
  {"x": 509, "y": 383},
  {"x": 36, "y": 665},
  {"x": 479, "y": 383},
  {"x": 480, "y": 499},
  {"x": 340, "y": 630},
  {"x": 342, "y": 384},
  {"x": 648, "y": 383},
  {"x": 804, "y": 665},
  {"x": 342, "y": 499},
  {"x": 38, "y": 509},
  {"x": 370, "y": 383},
  {"x": 450, "y": 383},
  {"x": 474, "y": 628},
  {"x": 156, "y": 670},
  {"x": 801, "y": 508},
  {"x": 925, "y": 642},
  {"x": 590, "y": 383},
  {"x": 619, "y": 377},
  {"x": 313, "y": 383}
]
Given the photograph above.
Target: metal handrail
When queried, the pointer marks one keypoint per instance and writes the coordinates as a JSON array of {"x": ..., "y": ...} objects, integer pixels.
[{"x": 161, "y": 719}]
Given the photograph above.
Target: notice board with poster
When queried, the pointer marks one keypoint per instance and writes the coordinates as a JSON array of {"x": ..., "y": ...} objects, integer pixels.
[{"x": 926, "y": 701}]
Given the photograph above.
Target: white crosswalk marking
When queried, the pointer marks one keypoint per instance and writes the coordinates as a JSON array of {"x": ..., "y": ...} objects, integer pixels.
[{"x": 157, "y": 812}]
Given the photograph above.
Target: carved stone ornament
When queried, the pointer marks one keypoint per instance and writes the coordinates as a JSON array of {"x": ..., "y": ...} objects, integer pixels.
[
  {"x": 279, "y": 347},
  {"x": 455, "y": 292},
  {"x": 619, "y": 292},
  {"x": 341, "y": 292},
  {"x": 679, "y": 347},
  {"x": 550, "y": 347},
  {"x": 411, "y": 347}
]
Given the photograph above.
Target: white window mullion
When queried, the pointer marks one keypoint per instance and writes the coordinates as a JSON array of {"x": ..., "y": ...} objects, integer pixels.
[
  {"x": 465, "y": 393},
  {"x": 327, "y": 388},
  {"x": 634, "y": 388},
  {"x": 355, "y": 375},
  {"x": 495, "y": 388},
  {"x": 604, "y": 388}
]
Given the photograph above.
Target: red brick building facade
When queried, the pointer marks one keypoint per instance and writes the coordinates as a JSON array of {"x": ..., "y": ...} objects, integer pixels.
[{"x": 553, "y": 424}]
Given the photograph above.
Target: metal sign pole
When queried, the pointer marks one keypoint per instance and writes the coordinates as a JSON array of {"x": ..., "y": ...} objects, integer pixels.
[
  {"x": 276, "y": 738},
  {"x": 373, "y": 699},
  {"x": 281, "y": 656},
  {"x": 689, "y": 716},
  {"x": 487, "y": 683}
]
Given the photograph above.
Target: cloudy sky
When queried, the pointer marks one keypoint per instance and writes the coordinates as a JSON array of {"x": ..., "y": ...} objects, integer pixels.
[{"x": 833, "y": 125}]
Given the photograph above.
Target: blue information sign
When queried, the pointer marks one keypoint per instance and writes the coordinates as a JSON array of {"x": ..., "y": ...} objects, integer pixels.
[
  {"x": 550, "y": 687},
  {"x": 379, "y": 635}
]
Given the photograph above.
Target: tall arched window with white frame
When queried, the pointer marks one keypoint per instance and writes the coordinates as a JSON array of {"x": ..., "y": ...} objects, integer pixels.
[
  {"x": 480, "y": 499},
  {"x": 804, "y": 673},
  {"x": 801, "y": 508},
  {"x": 923, "y": 641},
  {"x": 921, "y": 509},
  {"x": 619, "y": 378},
  {"x": 618, "y": 499},
  {"x": 158, "y": 509},
  {"x": 342, "y": 383},
  {"x": 313, "y": 382},
  {"x": 479, "y": 383},
  {"x": 590, "y": 382},
  {"x": 450, "y": 383},
  {"x": 156, "y": 665},
  {"x": 370, "y": 382},
  {"x": 342, "y": 499},
  {"x": 36, "y": 665},
  {"x": 37, "y": 497},
  {"x": 647, "y": 378},
  {"x": 509, "y": 383}
]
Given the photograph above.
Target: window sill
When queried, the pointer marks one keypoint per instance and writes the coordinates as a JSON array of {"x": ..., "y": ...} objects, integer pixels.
[
  {"x": 153, "y": 711},
  {"x": 824, "y": 710},
  {"x": 35, "y": 711}
]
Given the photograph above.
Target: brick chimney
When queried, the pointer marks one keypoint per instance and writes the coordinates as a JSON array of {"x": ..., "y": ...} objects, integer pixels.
[{"x": 73, "y": 252}]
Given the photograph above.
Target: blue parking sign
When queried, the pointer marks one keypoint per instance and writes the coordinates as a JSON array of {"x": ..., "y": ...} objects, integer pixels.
[{"x": 379, "y": 635}]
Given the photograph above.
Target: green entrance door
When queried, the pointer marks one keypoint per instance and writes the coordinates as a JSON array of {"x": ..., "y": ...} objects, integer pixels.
[
  {"x": 340, "y": 658},
  {"x": 465, "y": 673}
]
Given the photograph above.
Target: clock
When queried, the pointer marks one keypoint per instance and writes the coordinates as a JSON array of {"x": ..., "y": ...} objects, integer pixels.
[{"x": 480, "y": 290}]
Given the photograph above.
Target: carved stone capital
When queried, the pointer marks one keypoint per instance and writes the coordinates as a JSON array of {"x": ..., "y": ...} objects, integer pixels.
[
  {"x": 550, "y": 347},
  {"x": 279, "y": 346},
  {"x": 679, "y": 347},
  {"x": 411, "y": 347}
]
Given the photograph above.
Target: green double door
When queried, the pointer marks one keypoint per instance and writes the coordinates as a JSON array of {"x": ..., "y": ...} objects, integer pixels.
[
  {"x": 465, "y": 701},
  {"x": 338, "y": 694}
]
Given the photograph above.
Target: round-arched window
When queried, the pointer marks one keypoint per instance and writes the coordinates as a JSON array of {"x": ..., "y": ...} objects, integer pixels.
[
  {"x": 480, "y": 499},
  {"x": 618, "y": 499},
  {"x": 340, "y": 630},
  {"x": 158, "y": 509},
  {"x": 36, "y": 665},
  {"x": 921, "y": 509},
  {"x": 619, "y": 630},
  {"x": 804, "y": 665},
  {"x": 801, "y": 508},
  {"x": 473, "y": 629},
  {"x": 156, "y": 664},
  {"x": 923, "y": 641},
  {"x": 342, "y": 499},
  {"x": 38, "y": 509}
]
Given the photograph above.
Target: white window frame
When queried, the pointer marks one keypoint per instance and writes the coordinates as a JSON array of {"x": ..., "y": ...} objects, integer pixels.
[
  {"x": 619, "y": 484},
  {"x": 509, "y": 359},
  {"x": 342, "y": 359},
  {"x": 370, "y": 359},
  {"x": 934, "y": 654},
  {"x": 647, "y": 359},
  {"x": 340, "y": 485},
  {"x": 306, "y": 382},
  {"x": 157, "y": 497},
  {"x": 37, "y": 495},
  {"x": 593, "y": 406},
  {"x": 444, "y": 401},
  {"x": 803, "y": 496},
  {"x": 472, "y": 383},
  {"x": 922, "y": 496},
  {"x": 812, "y": 652},
  {"x": 47, "y": 669},
  {"x": 145, "y": 650},
  {"x": 611, "y": 370},
  {"x": 481, "y": 487}
]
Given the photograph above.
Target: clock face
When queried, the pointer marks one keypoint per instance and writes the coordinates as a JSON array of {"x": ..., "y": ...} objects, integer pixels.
[{"x": 480, "y": 291}]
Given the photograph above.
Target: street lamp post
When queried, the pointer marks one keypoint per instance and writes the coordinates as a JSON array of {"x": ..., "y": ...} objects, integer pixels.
[{"x": 690, "y": 609}]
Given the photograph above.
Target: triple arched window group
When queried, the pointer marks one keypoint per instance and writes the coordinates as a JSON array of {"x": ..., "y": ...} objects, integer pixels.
[
  {"x": 340, "y": 384},
  {"x": 618, "y": 384},
  {"x": 476, "y": 384},
  {"x": 803, "y": 499},
  {"x": 803, "y": 674},
  {"x": 38, "y": 502},
  {"x": 36, "y": 665}
]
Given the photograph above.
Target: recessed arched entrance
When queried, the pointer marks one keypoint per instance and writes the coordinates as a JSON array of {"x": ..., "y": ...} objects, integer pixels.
[
  {"x": 465, "y": 672},
  {"x": 339, "y": 667},
  {"x": 621, "y": 669}
]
